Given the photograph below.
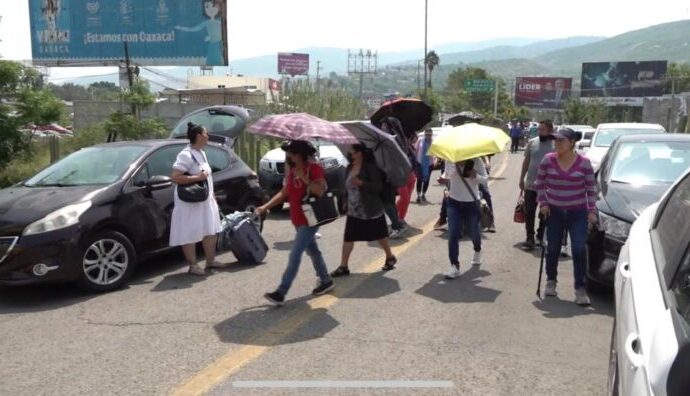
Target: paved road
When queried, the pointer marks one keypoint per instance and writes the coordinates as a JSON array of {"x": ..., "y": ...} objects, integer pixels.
[{"x": 484, "y": 333}]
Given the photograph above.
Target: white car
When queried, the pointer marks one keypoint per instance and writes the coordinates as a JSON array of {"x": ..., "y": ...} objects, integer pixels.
[
  {"x": 650, "y": 343},
  {"x": 587, "y": 132},
  {"x": 272, "y": 169},
  {"x": 607, "y": 133}
]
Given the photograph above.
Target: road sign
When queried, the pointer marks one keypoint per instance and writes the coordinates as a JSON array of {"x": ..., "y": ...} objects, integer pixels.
[{"x": 479, "y": 85}]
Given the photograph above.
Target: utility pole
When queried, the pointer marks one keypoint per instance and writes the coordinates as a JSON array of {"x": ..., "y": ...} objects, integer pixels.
[
  {"x": 318, "y": 75},
  {"x": 426, "y": 19},
  {"x": 356, "y": 65}
]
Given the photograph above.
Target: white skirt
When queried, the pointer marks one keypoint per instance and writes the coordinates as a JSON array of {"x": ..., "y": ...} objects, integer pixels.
[{"x": 192, "y": 221}]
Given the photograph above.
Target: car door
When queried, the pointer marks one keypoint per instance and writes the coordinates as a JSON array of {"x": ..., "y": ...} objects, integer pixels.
[{"x": 150, "y": 211}]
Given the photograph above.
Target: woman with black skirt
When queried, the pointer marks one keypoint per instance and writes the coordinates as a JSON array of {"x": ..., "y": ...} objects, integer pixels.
[{"x": 365, "y": 213}]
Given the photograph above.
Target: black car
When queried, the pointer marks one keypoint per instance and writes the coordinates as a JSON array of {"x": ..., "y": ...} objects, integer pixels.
[
  {"x": 93, "y": 215},
  {"x": 635, "y": 173}
]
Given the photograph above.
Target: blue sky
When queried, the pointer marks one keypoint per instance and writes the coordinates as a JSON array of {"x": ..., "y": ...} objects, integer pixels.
[{"x": 259, "y": 27}]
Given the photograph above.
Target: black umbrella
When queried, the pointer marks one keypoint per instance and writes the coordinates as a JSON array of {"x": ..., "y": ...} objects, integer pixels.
[
  {"x": 465, "y": 117},
  {"x": 413, "y": 114}
]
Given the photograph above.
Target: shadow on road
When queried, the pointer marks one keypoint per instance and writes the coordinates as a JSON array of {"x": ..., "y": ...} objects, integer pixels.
[
  {"x": 368, "y": 286},
  {"x": 556, "y": 308},
  {"x": 283, "y": 246},
  {"x": 464, "y": 289},
  {"x": 294, "y": 323}
]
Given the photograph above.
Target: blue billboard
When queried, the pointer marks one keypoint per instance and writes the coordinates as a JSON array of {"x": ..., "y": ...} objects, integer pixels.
[{"x": 157, "y": 32}]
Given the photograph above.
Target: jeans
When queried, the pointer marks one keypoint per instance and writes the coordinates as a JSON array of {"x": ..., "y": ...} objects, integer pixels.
[
  {"x": 530, "y": 213},
  {"x": 459, "y": 213},
  {"x": 305, "y": 240},
  {"x": 388, "y": 197},
  {"x": 423, "y": 182},
  {"x": 575, "y": 223},
  {"x": 515, "y": 144},
  {"x": 443, "y": 216}
]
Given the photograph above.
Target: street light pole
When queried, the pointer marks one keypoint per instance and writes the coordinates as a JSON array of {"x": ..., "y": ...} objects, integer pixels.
[{"x": 426, "y": 20}]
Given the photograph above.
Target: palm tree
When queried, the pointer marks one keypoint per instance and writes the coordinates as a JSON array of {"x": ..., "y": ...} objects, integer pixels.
[{"x": 432, "y": 60}]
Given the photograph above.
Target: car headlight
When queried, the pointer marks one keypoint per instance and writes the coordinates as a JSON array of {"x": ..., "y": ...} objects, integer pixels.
[
  {"x": 265, "y": 165},
  {"x": 614, "y": 227},
  {"x": 61, "y": 218},
  {"x": 328, "y": 163}
]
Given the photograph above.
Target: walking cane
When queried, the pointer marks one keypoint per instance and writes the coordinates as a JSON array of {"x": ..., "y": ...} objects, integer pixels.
[{"x": 541, "y": 263}]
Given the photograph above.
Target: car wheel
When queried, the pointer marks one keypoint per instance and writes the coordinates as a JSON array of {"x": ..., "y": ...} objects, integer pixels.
[
  {"x": 612, "y": 388},
  {"x": 108, "y": 259}
]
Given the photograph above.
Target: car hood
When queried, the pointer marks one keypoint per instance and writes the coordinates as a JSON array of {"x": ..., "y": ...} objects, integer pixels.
[
  {"x": 21, "y": 206},
  {"x": 627, "y": 201}
]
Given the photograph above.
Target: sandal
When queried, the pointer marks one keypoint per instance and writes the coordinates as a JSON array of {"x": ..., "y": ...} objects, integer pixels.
[
  {"x": 216, "y": 265},
  {"x": 196, "y": 270},
  {"x": 390, "y": 263},
  {"x": 340, "y": 271}
]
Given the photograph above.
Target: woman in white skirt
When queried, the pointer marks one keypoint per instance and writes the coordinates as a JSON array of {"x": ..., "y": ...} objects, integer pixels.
[{"x": 194, "y": 222}]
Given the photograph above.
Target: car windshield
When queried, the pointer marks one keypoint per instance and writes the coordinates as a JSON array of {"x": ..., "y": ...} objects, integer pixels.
[
  {"x": 588, "y": 135},
  {"x": 606, "y": 136},
  {"x": 92, "y": 165},
  {"x": 650, "y": 162}
]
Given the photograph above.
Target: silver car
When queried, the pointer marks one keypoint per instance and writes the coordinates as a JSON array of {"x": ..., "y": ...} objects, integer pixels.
[
  {"x": 650, "y": 344},
  {"x": 606, "y": 133}
]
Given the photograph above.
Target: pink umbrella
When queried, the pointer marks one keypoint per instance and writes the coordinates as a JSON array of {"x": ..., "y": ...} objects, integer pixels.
[{"x": 302, "y": 126}]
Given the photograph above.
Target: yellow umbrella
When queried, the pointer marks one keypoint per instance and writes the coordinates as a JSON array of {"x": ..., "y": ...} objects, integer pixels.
[{"x": 468, "y": 141}]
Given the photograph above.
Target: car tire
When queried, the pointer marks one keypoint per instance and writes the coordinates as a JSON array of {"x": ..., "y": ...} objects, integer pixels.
[
  {"x": 612, "y": 383},
  {"x": 107, "y": 260}
]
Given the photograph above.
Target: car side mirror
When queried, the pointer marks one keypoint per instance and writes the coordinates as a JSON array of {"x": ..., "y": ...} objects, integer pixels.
[{"x": 159, "y": 182}]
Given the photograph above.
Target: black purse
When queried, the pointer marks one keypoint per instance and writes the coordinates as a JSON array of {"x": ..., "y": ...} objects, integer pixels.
[
  {"x": 320, "y": 210},
  {"x": 195, "y": 192}
]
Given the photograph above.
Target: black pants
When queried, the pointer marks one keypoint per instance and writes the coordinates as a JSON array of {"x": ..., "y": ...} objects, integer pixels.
[
  {"x": 530, "y": 214},
  {"x": 515, "y": 145},
  {"x": 444, "y": 210}
]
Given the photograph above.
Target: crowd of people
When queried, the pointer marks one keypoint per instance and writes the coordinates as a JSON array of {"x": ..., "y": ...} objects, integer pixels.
[{"x": 555, "y": 181}]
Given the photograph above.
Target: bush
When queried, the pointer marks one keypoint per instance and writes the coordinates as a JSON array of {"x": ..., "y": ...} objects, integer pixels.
[{"x": 23, "y": 167}]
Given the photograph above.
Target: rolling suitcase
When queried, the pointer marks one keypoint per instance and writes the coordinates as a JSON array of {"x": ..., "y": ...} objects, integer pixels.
[{"x": 240, "y": 235}]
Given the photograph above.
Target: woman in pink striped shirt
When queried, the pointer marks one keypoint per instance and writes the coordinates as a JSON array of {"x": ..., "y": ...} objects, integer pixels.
[{"x": 566, "y": 192}]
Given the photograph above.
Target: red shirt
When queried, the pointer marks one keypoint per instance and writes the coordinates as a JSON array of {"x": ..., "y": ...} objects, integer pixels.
[{"x": 296, "y": 189}]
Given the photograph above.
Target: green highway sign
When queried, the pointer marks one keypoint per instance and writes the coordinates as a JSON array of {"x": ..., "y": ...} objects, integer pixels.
[{"x": 479, "y": 85}]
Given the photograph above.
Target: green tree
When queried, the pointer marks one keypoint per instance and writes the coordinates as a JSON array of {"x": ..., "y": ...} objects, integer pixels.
[
  {"x": 432, "y": 61},
  {"x": 680, "y": 72},
  {"x": 38, "y": 107},
  {"x": 128, "y": 127},
  {"x": 592, "y": 112},
  {"x": 139, "y": 97},
  {"x": 333, "y": 104},
  {"x": 104, "y": 90}
]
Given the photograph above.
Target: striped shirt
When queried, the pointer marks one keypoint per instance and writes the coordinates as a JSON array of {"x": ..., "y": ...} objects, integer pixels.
[{"x": 571, "y": 189}]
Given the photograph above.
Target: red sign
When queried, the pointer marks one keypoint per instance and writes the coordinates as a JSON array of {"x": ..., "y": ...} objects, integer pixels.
[
  {"x": 293, "y": 64},
  {"x": 542, "y": 92},
  {"x": 273, "y": 85}
]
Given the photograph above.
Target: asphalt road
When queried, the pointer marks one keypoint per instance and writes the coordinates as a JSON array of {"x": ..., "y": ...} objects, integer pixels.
[{"x": 483, "y": 333}]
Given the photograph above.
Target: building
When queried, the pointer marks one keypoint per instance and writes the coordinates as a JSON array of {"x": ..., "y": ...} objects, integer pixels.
[{"x": 268, "y": 86}]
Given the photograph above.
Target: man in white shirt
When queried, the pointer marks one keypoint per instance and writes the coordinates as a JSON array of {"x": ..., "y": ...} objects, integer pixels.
[{"x": 463, "y": 207}]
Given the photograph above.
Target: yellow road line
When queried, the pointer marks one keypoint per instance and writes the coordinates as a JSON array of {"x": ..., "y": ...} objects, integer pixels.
[{"x": 233, "y": 361}]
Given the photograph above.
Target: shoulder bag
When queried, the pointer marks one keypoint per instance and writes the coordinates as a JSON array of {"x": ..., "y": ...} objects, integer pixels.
[
  {"x": 319, "y": 210},
  {"x": 194, "y": 192},
  {"x": 486, "y": 217}
]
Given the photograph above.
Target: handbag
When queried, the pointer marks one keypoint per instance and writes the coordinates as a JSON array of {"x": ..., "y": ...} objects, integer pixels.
[
  {"x": 194, "y": 192},
  {"x": 320, "y": 210},
  {"x": 519, "y": 215},
  {"x": 486, "y": 218}
]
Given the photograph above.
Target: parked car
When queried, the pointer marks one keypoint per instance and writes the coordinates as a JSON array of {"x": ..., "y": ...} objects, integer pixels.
[
  {"x": 635, "y": 173},
  {"x": 607, "y": 133},
  {"x": 650, "y": 342},
  {"x": 586, "y": 131},
  {"x": 334, "y": 163},
  {"x": 93, "y": 215}
]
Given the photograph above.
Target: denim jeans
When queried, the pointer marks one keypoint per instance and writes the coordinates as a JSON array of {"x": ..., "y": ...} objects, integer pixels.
[
  {"x": 575, "y": 223},
  {"x": 459, "y": 213},
  {"x": 305, "y": 240},
  {"x": 392, "y": 213}
]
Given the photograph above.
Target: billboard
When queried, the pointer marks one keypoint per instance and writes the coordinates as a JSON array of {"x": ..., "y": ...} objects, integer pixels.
[
  {"x": 542, "y": 92},
  {"x": 616, "y": 81},
  {"x": 157, "y": 32},
  {"x": 293, "y": 64}
]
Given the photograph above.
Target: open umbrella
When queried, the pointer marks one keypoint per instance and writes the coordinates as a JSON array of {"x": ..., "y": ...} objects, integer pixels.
[
  {"x": 465, "y": 117},
  {"x": 468, "y": 141},
  {"x": 302, "y": 126},
  {"x": 388, "y": 155},
  {"x": 413, "y": 114}
]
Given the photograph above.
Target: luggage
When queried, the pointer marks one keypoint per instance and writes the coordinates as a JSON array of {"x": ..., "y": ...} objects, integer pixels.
[{"x": 240, "y": 235}]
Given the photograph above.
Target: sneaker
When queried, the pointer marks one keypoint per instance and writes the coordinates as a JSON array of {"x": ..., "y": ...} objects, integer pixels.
[
  {"x": 440, "y": 224},
  {"x": 317, "y": 236},
  {"x": 424, "y": 199},
  {"x": 395, "y": 234},
  {"x": 550, "y": 290},
  {"x": 419, "y": 200},
  {"x": 581, "y": 297},
  {"x": 491, "y": 229},
  {"x": 529, "y": 244},
  {"x": 477, "y": 259},
  {"x": 275, "y": 298},
  {"x": 453, "y": 272},
  {"x": 323, "y": 288}
]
